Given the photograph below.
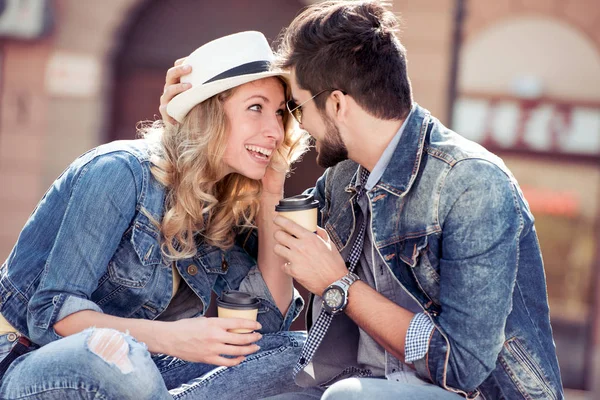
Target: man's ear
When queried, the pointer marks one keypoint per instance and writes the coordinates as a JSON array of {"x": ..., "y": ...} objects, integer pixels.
[{"x": 339, "y": 105}]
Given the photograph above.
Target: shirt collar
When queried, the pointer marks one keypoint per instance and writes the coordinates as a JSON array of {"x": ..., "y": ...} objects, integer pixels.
[{"x": 384, "y": 160}]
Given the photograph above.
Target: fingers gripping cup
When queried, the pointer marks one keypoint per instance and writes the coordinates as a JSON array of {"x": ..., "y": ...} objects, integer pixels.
[
  {"x": 235, "y": 304},
  {"x": 301, "y": 209}
]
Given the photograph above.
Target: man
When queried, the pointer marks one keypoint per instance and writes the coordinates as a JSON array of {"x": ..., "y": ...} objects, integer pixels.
[
  {"x": 427, "y": 276},
  {"x": 448, "y": 283}
]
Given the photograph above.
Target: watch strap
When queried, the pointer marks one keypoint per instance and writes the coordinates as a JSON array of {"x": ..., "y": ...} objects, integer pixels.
[{"x": 347, "y": 280}]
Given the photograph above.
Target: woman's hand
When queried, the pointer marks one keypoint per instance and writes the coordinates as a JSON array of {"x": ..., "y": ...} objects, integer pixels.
[
  {"x": 173, "y": 87},
  {"x": 200, "y": 339},
  {"x": 209, "y": 341},
  {"x": 273, "y": 182}
]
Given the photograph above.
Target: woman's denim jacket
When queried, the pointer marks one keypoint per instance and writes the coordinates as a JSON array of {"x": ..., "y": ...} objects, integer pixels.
[
  {"x": 454, "y": 228},
  {"x": 90, "y": 245}
]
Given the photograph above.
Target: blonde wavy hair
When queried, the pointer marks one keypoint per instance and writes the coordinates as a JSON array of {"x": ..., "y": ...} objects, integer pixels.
[{"x": 187, "y": 160}]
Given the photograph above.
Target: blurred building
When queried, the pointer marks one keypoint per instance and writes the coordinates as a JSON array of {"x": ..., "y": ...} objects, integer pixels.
[{"x": 520, "y": 76}]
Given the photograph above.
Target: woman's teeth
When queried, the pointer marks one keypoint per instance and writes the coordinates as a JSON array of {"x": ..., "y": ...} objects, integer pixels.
[{"x": 259, "y": 152}]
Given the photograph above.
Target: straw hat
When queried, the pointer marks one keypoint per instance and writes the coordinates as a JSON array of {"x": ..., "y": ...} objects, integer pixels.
[{"x": 223, "y": 64}]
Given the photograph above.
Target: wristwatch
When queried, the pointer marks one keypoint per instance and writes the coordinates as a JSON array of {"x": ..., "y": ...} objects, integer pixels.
[{"x": 335, "y": 297}]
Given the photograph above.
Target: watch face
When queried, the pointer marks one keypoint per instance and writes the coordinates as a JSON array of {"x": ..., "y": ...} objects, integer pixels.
[{"x": 334, "y": 297}]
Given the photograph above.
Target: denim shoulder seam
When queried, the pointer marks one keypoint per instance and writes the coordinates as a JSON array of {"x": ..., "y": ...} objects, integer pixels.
[
  {"x": 438, "y": 195},
  {"x": 440, "y": 155},
  {"x": 131, "y": 156}
]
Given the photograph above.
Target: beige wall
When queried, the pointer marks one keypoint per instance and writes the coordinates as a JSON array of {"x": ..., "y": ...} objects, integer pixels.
[
  {"x": 427, "y": 27},
  {"x": 41, "y": 133},
  {"x": 551, "y": 26},
  {"x": 567, "y": 66},
  {"x": 23, "y": 127}
]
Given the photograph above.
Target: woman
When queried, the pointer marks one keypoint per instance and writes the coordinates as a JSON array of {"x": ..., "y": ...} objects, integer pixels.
[{"x": 106, "y": 286}]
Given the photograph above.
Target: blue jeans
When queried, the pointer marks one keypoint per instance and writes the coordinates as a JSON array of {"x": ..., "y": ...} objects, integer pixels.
[
  {"x": 76, "y": 367},
  {"x": 372, "y": 388}
]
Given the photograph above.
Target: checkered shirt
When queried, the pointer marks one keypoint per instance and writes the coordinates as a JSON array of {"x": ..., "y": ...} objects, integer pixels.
[
  {"x": 417, "y": 338},
  {"x": 320, "y": 327}
]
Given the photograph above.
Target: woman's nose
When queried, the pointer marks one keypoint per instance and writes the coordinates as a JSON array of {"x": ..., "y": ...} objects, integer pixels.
[{"x": 274, "y": 129}]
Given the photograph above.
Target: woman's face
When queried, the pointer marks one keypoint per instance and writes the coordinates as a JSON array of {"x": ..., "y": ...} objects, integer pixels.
[{"x": 255, "y": 114}]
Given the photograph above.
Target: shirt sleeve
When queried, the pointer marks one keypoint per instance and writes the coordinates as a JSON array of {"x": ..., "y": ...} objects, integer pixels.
[
  {"x": 102, "y": 200},
  {"x": 417, "y": 338},
  {"x": 272, "y": 320}
]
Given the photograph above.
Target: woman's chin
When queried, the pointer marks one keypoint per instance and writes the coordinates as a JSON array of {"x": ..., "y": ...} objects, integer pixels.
[{"x": 255, "y": 174}]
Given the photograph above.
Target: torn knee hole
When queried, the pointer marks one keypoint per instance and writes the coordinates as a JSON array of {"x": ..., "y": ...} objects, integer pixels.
[{"x": 110, "y": 346}]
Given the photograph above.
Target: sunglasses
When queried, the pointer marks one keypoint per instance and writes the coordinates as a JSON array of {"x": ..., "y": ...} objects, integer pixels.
[{"x": 296, "y": 109}]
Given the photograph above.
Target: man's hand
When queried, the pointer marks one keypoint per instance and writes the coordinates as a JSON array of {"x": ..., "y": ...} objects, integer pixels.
[
  {"x": 173, "y": 87},
  {"x": 313, "y": 260}
]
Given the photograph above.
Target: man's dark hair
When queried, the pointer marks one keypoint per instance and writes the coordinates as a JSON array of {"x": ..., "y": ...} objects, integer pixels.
[{"x": 351, "y": 46}]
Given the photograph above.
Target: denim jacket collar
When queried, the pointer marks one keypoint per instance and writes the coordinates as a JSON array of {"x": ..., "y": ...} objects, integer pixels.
[{"x": 404, "y": 164}]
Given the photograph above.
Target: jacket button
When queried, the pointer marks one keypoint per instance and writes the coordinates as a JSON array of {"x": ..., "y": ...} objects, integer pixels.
[
  {"x": 192, "y": 270},
  {"x": 11, "y": 337},
  {"x": 224, "y": 266}
]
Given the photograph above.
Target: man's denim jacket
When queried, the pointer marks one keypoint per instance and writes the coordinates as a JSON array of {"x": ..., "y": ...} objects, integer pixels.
[
  {"x": 90, "y": 245},
  {"x": 452, "y": 225}
]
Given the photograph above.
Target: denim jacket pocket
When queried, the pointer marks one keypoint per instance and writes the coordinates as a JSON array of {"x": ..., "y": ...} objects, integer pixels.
[
  {"x": 415, "y": 252},
  {"x": 146, "y": 242},
  {"x": 525, "y": 371},
  {"x": 130, "y": 264},
  {"x": 213, "y": 261}
]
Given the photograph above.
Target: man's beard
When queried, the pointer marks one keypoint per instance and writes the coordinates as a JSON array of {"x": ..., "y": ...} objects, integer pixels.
[{"x": 332, "y": 149}]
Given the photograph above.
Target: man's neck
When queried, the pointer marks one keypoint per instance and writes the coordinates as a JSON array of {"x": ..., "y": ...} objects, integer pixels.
[{"x": 371, "y": 137}]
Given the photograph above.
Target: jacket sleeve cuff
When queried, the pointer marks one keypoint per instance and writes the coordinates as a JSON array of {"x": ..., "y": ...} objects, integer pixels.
[
  {"x": 269, "y": 315},
  {"x": 417, "y": 338},
  {"x": 74, "y": 304},
  {"x": 295, "y": 308},
  {"x": 41, "y": 325}
]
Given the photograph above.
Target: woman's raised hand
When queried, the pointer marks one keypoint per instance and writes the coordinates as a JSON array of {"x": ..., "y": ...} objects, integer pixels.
[
  {"x": 173, "y": 87},
  {"x": 209, "y": 341},
  {"x": 273, "y": 181}
]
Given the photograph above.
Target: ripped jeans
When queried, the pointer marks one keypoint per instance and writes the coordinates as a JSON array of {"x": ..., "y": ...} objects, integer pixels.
[{"x": 107, "y": 364}]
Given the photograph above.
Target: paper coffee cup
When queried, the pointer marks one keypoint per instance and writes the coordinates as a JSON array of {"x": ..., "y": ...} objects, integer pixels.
[
  {"x": 236, "y": 304},
  {"x": 301, "y": 209}
]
